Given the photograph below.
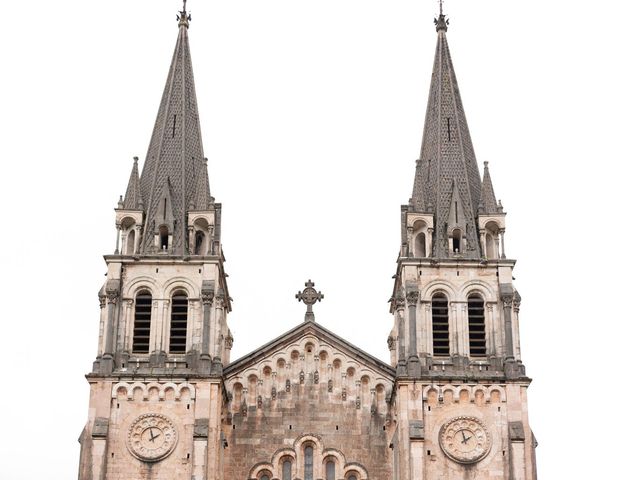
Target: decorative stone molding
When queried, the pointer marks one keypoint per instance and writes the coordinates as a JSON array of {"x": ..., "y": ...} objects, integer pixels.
[
  {"x": 412, "y": 297},
  {"x": 128, "y": 389}
]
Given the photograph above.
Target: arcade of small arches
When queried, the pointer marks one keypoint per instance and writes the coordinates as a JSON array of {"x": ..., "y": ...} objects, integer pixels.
[
  {"x": 491, "y": 239},
  {"x": 129, "y": 236},
  {"x": 310, "y": 363},
  {"x": 308, "y": 460}
]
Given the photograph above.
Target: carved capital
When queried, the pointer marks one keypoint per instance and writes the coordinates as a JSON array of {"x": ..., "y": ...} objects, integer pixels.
[
  {"x": 228, "y": 342},
  {"x": 103, "y": 300},
  {"x": 112, "y": 296},
  {"x": 412, "y": 297},
  {"x": 507, "y": 301},
  {"x": 207, "y": 297},
  {"x": 391, "y": 342}
]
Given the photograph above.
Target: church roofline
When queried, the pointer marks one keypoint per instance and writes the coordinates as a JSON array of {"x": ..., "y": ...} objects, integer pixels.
[{"x": 305, "y": 327}]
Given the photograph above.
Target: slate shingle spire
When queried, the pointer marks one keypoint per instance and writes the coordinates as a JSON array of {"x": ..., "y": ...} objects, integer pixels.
[
  {"x": 175, "y": 157},
  {"x": 447, "y": 157}
]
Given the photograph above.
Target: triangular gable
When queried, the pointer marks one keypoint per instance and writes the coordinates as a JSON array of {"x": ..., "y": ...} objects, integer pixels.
[{"x": 325, "y": 346}]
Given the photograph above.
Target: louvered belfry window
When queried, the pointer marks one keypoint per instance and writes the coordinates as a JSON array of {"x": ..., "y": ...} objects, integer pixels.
[
  {"x": 142, "y": 323},
  {"x": 440, "y": 325},
  {"x": 179, "y": 311},
  {"x": 477, "y": 329}
]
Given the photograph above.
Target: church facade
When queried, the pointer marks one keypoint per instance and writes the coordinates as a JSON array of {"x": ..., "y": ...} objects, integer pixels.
[{"x": 166, "y": 401}]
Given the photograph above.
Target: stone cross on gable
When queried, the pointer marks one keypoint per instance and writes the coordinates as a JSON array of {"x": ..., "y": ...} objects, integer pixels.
[{"x": 309, "y": 296}]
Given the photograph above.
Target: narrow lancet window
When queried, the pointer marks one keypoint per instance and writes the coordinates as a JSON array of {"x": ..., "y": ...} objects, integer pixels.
[
  {"x": 200, "y": 243},
  {"x": 457, "y": 241},
  {"x": 142, "y": 323},
  {"x": 421, "y": 245},
  {"x": 286, "y": 470},
  {"x": 178, "y": 334},
  {"x": 308, "y": 463},
  {"x": 477, "y": 329},
  {"x": 331, "y": 470},
  {"x": 164, "y": 238},
  {"x": 440, "y": 325}
]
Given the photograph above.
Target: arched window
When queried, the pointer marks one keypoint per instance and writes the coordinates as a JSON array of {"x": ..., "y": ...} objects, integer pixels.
[
  {"x": 440, "y": 324},
  {"x": 352, "y": 477},
  {"x": 330, "y": 470},
  {"x": 308, "y": 463},
  {"x": 286, "y": 470},
  {"x": 164, "y": 237},
  {"x": 178, "y": 333},
  {"x": 420, "y": 250},
  {"x": 264, "y": 477},
  {"x": 491, "y": 246},
  {"x": 131, "y": 242},
  {"x": 477, "y": 330},
  {"x": 142, "y": 323},
  {"x": 200, "y": 247},
  {"x": 457, "y": 241}
]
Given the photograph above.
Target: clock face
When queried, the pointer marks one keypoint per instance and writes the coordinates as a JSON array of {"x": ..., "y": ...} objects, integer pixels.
[
  {"x": 465, "y": 439},
  {"x": 152, "y": 437}
]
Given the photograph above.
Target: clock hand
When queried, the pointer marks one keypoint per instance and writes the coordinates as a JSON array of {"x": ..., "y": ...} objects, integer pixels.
[
  {"x": 465, "y": 439},
  {"x": 152, "y": 437}
]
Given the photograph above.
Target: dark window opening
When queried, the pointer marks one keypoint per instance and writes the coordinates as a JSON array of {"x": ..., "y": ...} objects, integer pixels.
[
  {"x": 440, "y": 325},
  {"x": 449, "y": 129},
  {"x": 178, "y": 335},
  {"x": 164, "y": 238},
  {"x": 477, "y": 333},
  {"x": 173, "y": 133},
  {"x": 200, "y": 243},
  {"x": 457, "y": 241},
  {"x": 142, "y": 323}
]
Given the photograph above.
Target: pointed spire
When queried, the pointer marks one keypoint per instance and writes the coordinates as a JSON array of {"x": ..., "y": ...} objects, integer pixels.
[
  {"x": 488, "y": 202},
  {"x": 175, "y": 151},
  {"x": 133, "y": 196},
  {"x": 447, "y": 152}
]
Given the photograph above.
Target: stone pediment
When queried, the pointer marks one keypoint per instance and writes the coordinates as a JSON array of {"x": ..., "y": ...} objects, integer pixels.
[{"x": 308, "y": 355}]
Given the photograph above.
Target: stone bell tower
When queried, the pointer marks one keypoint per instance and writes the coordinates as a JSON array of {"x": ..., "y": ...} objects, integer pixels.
[
  {"x": 164, "y": 338},
  {"x": 461, "y": 390}
]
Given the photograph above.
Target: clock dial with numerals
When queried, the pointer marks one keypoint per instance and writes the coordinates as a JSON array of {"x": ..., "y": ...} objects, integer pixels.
[
  {"x": 152, "y": 437},
  {"x": 465, "y": 439}
]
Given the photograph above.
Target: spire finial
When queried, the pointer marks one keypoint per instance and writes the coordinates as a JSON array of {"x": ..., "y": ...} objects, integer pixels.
[
  {"x": 183, "y": 18},
  {"x": 442, "y": 23},
  {"x": 309, "y": 296}
]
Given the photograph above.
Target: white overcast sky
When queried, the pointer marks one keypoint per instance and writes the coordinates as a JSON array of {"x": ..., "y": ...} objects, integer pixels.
[{"x": 312, "y": 115}]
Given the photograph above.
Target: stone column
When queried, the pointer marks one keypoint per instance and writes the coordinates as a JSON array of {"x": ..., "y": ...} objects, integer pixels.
[
  {"x": 192, "y": 240},
  {"x": 205, "y": 357},
  {"x": 483, "y": 243},
  {"x": 402, "y": 361},
  {"x": 502, "y": 254},
  {"x": 507, "y": 304},
  {"x": 429, "y": 242},
  {"x": 413, "y": 362},
  {"x": 106, "y": 363},
  {"x": 118, "y": 230},
  {"x": 210, "y": 243},
  {"x": 410, "y": 240},
  {"x": 137, "y": 239}
]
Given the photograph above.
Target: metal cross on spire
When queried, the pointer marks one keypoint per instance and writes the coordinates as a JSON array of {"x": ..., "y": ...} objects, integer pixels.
[
  {"x": 309, "y": 296},
  {"x": 183, "y": 18},
  {"x": 441, "y": 2}
]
